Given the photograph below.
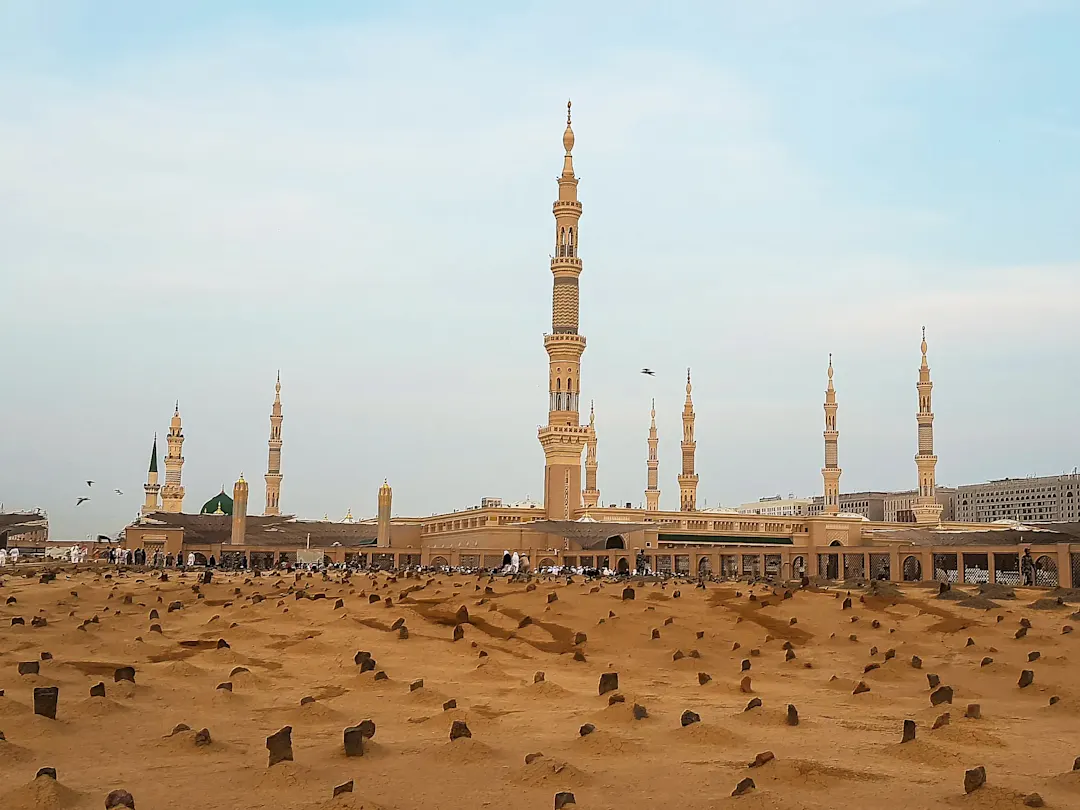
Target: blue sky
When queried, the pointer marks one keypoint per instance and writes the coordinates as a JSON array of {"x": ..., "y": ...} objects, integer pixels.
[{"x": 195, "y": 195}]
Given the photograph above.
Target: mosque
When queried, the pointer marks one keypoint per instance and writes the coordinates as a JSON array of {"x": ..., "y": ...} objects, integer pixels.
[{"x": 571, "y": 527}]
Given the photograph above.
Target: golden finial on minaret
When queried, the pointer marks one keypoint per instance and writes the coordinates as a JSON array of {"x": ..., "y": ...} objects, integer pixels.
[{"x": 568, "y": 142}]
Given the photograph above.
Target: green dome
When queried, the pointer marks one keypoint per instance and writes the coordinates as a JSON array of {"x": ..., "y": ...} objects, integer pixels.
[{"x": 219, "y": 503}]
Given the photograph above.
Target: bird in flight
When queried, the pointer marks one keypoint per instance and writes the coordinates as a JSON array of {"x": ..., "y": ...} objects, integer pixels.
[
  {"x": 89, "y": 483},
  {"x": 80, "y": 501},
  {"x": 648, "y": 371},
  {"x": 118, "y": 492}
]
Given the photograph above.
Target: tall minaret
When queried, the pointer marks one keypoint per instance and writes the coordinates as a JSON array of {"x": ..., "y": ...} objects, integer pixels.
[
  {"x": 831, "y": 471},
  {"x": 591, "y": 496},
  {"x": 563, "y": 437},
  {"x": 273, "y": 464},
  {"x": 652, "y": 489},
  {"x": 239, "y": 513},
  {"x": 688, "y": 481},
  {"x": 385, "y": 499},
  {"x": 151, "y": 487},
  {"x": 926, "y": 507},
  {"x": 172, "y": 494}
]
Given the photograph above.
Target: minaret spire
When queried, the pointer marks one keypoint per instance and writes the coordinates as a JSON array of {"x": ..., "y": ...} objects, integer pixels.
[
  {"x": 831, "y": 471},
  {"x": 591, "y": 495},
  {"x": 688, "y": 481},
  {"x": 564, "y": 437},
  {"x": 652, "y": 490},
  {"x": 926, "y": 507},
  {"x": 172, "y": 494},
  {"x": 273, "y": 463},
  {"x": 151, "y": 487}
]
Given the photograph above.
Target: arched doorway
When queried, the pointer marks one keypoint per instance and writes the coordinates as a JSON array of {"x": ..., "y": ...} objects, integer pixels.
[
  {"x": 200, "y": 558},
  {"x": 615, "y": 542},
  {"x": 836, "y": 543},
  {"x": 1046, "y": 573},
  {"x": 439, "y": 562},
  {"x": 704, "y": 566},
  {"x": 912, "y": 569},
  {"x": 623, "y": 566},
  {"x": 798, "y": 566},
  {"x": 547, "y": 562}
]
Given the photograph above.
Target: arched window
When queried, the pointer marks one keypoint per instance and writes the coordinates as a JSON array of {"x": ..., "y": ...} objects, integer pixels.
[{"x": 570, "y": 243}]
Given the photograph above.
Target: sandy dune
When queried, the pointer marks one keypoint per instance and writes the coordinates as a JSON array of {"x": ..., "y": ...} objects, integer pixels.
[{"x": 248, "y": 656}]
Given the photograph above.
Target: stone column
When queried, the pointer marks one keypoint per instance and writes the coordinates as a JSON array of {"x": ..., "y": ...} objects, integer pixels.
[{"x": 1064, "y": 564}]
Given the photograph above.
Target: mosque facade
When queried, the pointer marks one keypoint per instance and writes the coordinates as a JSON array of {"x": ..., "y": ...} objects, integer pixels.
[{"x": 571, "y": 527}]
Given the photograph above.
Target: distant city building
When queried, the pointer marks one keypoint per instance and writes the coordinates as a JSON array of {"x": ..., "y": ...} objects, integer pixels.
[
  {"x": 24, "y": 530},
  {"x": 775, "y": 505},
  {"x": 870, "y": 505},
  {"x": 1047, "y": 498},
  {"x": 899, "y": 506}
]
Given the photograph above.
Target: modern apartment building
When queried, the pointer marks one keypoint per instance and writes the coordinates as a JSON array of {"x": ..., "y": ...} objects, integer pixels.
[
  {"x": 898, "y": 505},
  {"x": 868, "y": 504},
  {"x": 777, "y": 506},
  {"x": 1051, "y": 497}
]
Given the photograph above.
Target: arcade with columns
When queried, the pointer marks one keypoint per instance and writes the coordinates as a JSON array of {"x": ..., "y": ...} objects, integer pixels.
[{"x": 571, "y": 528}]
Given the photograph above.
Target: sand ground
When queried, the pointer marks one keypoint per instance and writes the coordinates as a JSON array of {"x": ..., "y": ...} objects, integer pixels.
[{"x": 845, "y": 751}]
